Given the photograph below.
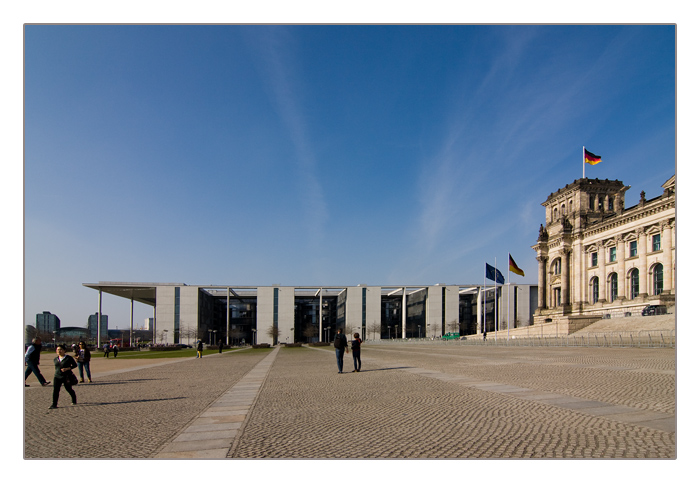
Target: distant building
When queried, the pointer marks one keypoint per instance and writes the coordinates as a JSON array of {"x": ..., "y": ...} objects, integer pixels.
[
  {"x": 148, "y": 323},
  {"x": 29, "y": 333},
  {"x": 279, "y": 314},
  {"x": 600, "y": 259},
  {"x": 72, "y": 335},
  {"x": 92, "y": 326},
  {"x": 47, "y": 323}
]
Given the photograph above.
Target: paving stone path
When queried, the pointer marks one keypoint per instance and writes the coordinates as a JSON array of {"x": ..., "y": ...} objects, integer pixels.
[{"x": 410, "y": 401}]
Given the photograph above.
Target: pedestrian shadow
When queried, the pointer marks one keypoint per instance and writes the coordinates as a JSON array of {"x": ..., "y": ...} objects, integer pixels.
[
  {"x": 386, "y": 369},
  {"x": 109, "y": 383},
  {"x": 109, "y": 403}
]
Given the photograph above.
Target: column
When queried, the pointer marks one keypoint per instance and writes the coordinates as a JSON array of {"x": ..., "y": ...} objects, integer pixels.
[
  {"x": 479, "y": 300},
  {"x": 643, "y": 269},
  {"x": 542, "y": 283},
  {"x": 403, "y": 314},
  {"x": 131, "y": 324},
  {"x": 602, "y": 281},
  {"x": 228, "y": 314},
  {"x": 621, "y": 273},
  {"x": 99, "y": 318},
  {"x": 565, "y": 277},
  {"x": 320, "y": 313},
  {"x": 667, "y": 257}
]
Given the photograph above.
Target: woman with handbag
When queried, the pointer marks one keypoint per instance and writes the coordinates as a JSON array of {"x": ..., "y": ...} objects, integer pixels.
[{"x": 64, "y": 375}]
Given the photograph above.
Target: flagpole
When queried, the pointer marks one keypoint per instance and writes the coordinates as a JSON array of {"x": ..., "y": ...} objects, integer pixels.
[
  {"x": 495, "y": 298},
  {"x": 583, "y": 153},
  {"x": 508, "y": 291}
]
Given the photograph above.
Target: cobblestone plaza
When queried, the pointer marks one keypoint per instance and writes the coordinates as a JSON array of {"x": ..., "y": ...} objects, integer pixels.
[{"x": 412, "y": 400}]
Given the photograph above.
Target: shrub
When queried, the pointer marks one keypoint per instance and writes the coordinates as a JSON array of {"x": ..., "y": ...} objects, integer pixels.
[
  {"x": 319, "y": 344},
  {"x": 261, "y": 346},
  {"x": 295, "y": 344}
]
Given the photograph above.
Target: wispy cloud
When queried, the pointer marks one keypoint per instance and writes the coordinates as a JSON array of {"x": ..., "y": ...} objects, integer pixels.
[{"x": 276, "y": 47}]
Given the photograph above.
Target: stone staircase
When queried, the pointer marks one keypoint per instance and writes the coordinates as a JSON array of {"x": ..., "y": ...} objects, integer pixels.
[{"x": 631, "y": 324}]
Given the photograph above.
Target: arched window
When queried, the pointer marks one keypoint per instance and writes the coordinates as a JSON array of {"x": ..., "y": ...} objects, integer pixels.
[
  {"x": 594, "y": 290},
  {"x": 634, "y": 283},
  {"x": 658, "y": 279},
  {"x": 613, "y": 287}
]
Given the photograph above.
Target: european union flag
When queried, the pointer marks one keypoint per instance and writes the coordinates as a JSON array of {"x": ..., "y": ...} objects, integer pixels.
[{"x": 494, "y": 274}]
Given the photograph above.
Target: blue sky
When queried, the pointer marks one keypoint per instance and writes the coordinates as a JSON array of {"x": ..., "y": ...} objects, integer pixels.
[{"x": 321, "y": 155}]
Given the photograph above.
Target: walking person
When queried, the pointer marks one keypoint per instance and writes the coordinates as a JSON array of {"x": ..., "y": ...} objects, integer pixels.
[
  {"x": 31, "y": 359},
  {"x": 83, "y": 358},
  {"x": 221, "y": 346},
  {"x": 341, "y": 345},
  {"x": 200, "y": 349},
  {"x": 106, "y": 349},
  {"x": 356, "y": 341},
  {"x": 62, "y": 377},
  {"x": 115, "y": 348}
]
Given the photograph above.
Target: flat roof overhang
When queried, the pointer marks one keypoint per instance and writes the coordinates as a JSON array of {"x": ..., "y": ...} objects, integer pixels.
[{"x": 139, "y": 292}]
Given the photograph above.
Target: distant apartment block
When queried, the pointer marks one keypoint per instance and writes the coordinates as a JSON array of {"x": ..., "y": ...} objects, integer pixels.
[
  {"x": 46, "y": 322},
  {"x": 92, "y": 326}
]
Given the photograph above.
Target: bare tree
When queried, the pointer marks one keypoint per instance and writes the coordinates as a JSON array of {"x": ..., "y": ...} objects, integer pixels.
[
  {"x": 375, "y": 328},
  {"x": 273, "y": 332},
  {"x": 236, "y": 333},
  {"x": 310, "y": 331},
  {"x": 453, "y": 326}
]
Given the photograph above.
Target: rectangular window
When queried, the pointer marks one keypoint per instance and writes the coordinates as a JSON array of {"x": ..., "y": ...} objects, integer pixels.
[
  {"x": 656, "y": 243},
  {"x": 611, "y": 204},
  {"x": 613, "y": 254},
  {"x": 633, "y": 249},
  {"x": 594, "y": 259}
]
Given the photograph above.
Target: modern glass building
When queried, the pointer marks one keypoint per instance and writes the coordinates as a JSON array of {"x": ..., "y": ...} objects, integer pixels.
[
  {"x": 47, "y": 323},
  {"x": 284, "y": 314}
]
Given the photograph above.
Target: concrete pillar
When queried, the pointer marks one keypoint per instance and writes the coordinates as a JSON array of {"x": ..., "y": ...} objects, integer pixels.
[
  {"x": 479, "y": 302},
  {"x": 403, "y": 314},
  {"x": 131, "y": 324},
  {"x": 99, "y": 318},
  {"x": 320, "y": 313}
]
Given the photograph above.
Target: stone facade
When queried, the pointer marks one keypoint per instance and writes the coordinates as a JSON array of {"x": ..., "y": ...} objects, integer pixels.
[{"x": 598, "y": 258}]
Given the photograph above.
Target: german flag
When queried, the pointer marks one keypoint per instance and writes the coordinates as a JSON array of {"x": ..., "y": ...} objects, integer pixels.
[
  {"x": 513, "y": 267},
  {"x": 590, "y": 157}
]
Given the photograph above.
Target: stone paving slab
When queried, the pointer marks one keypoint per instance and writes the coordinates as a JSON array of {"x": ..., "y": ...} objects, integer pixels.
[
  {"x": 219, "y": 426},
  {"x": 410, "y": 401}
]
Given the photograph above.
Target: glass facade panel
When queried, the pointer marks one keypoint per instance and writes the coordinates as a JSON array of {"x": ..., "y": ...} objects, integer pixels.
[
  {"x": 242, "y": 317},
  {"x": 468, "y": 310},
  {"x": 415, "y": 314},
  {"x": 306, "y": 319},
  {"x": 391, "y": 317}
]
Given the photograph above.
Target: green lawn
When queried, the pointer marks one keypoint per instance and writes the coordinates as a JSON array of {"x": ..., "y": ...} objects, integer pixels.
[{"x": 161, "y": 354}]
